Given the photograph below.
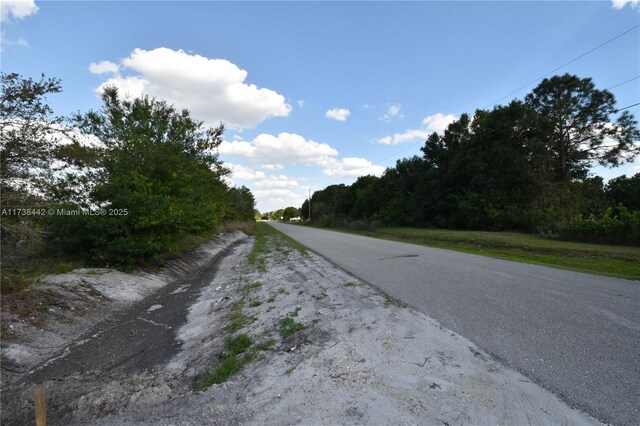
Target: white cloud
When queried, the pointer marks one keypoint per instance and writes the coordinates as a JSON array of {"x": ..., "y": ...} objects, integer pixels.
[
  {"x": 213, "y": 90},
  {"x": 271, "y": 152},
  {"x": 241, "y": 172},
  {"x": 301, "y": 103},
  {"x": 129, "y": 87},
  {"x": 277, "y": 192},
  {"x": 339, "y": 114},
  {"x": 352, "y": 167},
  {"x": 438, "y": 122},
  {"x": 619, "y": 4},
  {"x": 271, "y": 192},
  {"x": 407, "y": 136},
  {"x": 274, "y": 199},
  {"x": 393, "y": 111},
  {"x": 433, "y": 123},
  {"x": 19, "y": 41},
  {"x": 272, "y": 166},
  {"x": 16, "y": 9},
  {"x": 280, "y": 181},
  {"x": 103, "y": 67},
  {"x": 286, "y": 148}
]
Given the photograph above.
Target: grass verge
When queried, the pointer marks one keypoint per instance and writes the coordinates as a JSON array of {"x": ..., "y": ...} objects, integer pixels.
[
  {"x": 237, "y": 353},
  {"x": 608, "y": 260},
  {"x": 262, "y": 231},
  {"x": 288, "y": 325}
]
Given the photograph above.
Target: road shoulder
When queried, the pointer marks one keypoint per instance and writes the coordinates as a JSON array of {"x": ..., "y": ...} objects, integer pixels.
[{"x": 358, "y": 358}]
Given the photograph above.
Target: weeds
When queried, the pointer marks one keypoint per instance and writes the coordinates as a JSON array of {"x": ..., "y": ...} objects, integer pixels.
[
  {"x": 320, "y": 296},
  {"x": 288, "y": 326},
  {"x": 267, "y": 344},
  {"x": 388, "y": 301},
  {"x": 238, "y": 344},
  {"x": 237, "y": 355},
  {"x": 262, "y": 232},
  {"x": 237, "y": 317},
  {"x": 251, "y": 287}
]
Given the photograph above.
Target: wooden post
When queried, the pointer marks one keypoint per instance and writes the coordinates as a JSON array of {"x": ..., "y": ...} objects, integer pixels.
[{"x": 41, "y": 406}]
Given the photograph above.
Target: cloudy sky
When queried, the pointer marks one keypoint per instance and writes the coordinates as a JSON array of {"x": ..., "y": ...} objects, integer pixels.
[{"x": 319, "y": 93}]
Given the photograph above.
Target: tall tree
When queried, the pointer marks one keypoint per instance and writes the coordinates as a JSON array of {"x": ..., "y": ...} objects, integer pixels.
[
  {"x": 28, "y": 133},
  {"x": 241, "y": 204},
  {"x": 28, "y": 141},
  {"x": 575, "y": 121}
]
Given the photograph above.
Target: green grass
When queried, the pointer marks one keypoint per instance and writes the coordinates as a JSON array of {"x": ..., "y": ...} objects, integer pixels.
[
  {"x": 251, "y": 287},
  {"x": 261, "y": 247},
  {"x": 23, "y": 278},
  {"x": 262, "y": 230},
  {"x": 614, "y": 261},
  {"x": 237, "y": 355},
  {"x": 268, "y": 344},
  {"x": 239, "y": 344},
  {"x": 236, "y": 317},
  {"x": 288, "y": 326}
]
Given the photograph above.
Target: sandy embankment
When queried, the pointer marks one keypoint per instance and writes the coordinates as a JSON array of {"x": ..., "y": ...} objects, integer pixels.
[
  {"x": 359, "y": 359},
  {"x": 66, "y": 305}
]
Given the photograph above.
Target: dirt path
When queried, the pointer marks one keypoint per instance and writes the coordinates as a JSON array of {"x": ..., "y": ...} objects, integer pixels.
[{"x": 359, "y": 359}]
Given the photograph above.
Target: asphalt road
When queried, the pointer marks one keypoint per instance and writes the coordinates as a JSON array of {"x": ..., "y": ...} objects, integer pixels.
[{"x": 576, "y": 334}]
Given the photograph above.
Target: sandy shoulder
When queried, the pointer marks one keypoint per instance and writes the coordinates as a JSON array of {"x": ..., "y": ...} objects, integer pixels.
[{"x": 360, "y": 359}]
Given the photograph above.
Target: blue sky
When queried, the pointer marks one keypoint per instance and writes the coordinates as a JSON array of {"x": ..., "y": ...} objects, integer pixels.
[{"x": 320, "y": 93}]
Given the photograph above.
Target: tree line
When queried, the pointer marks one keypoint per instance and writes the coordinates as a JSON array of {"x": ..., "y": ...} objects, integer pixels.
[
  {"x": 286, "y": 214},
  {"x": 122, "y": 185},
  {"x": 524, "y": 166}
]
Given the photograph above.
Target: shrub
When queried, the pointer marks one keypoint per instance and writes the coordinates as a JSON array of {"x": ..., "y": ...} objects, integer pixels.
[
  {"x": 159, "y": 168},
  {"x": 617, "y": 226}
]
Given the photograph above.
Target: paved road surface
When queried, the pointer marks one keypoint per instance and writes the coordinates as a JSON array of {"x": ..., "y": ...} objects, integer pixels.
[{"x": 576, "y": 334}]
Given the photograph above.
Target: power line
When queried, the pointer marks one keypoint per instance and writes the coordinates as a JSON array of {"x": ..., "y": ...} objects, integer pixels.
[
  {"x": 540, "y": 78},
  {"x": 565, "y": 64},
  {"x": 624, "y": 82},
  {"x": 627, "y": 107},
  {"x": 379, "y": 162}
]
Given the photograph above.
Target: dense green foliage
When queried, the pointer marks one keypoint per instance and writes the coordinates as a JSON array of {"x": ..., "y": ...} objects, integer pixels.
[
  {"x": 619, "y": 227},
  {"x": 160, "y": 167},
  {"x": 148, "y": 180},
  {"x": 286, "y": 214},
  {"x": 522, "y": 166},
  {"x": 29, "y": 133}
]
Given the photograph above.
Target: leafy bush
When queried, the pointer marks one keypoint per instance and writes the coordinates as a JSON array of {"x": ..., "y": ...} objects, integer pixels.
[
  {"x": 159, "y": 181},
  {"x": 615, "y": 226}
]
